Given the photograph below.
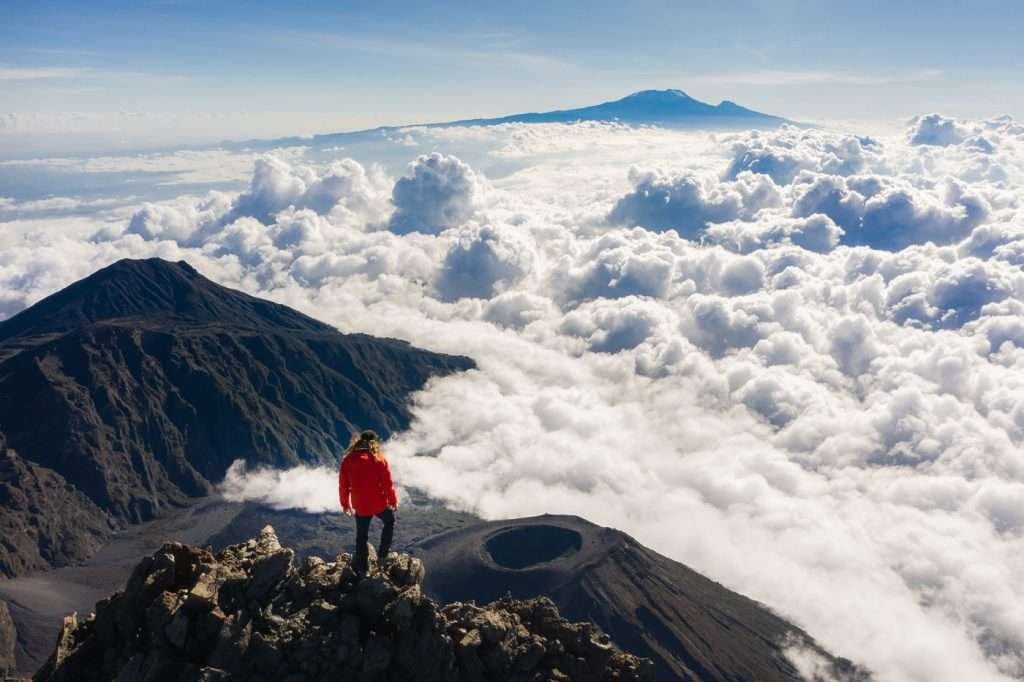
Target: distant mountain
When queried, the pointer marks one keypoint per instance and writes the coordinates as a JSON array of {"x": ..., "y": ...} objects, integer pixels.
[
  {"x": 670, "y": 108},
  {"x": 691, "y": 627},
  {"x": 646, "y": 106},
  {"x": 130, "y": 392}
]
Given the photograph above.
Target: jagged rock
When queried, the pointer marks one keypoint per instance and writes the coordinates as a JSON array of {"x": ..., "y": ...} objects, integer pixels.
[
  {"x": 245, "y": 613},
  {"x": 373, "y": 594},
  {"x": 268, "y": 570},
  {"x": 405, "y": 570}
]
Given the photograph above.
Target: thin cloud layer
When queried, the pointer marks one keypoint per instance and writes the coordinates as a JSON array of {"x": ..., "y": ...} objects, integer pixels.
[{"x": 792, "y": 359}]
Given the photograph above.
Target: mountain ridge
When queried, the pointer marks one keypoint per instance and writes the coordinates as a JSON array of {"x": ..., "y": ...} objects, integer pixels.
[
  {"x": 670, "y": 107},
  {"x": 643, "y": 106}
]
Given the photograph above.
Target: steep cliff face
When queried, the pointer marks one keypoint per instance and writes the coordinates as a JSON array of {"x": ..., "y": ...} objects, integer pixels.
[
  {"x": 139, "y": 385},
  {"x": 45, "y": 521},
  {"x": 247, "y": 613}
]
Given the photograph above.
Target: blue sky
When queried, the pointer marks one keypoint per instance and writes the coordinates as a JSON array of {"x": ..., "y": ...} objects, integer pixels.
[{"x": 337, "y": 65}]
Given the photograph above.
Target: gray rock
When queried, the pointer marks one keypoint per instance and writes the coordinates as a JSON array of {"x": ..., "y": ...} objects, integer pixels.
[
  {"x": 177, "y": 630},
  {"x": 401, "y": 611},
  {"x": 405, "y": 571},
  {"x": 373, "y": 594},
  {"x": 268, "y": 570},
  {"x": 377, "y": 656},
  {"x": 231, "y": 644},
  {"x": 322, "y": 612}
]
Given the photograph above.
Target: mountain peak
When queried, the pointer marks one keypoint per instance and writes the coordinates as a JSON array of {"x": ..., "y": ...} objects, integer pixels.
[
  {"x": 669, "y": 107},
  {"x": 154, "y": 289},
  {"x": 147, "y": 266},
  {"x": 667, "y": 95}
]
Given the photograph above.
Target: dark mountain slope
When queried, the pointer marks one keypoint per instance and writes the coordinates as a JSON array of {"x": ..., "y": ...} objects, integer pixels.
[
  {"x": 45, "y": 521},
  {"x": 152, "y": 290},
  {"x": 141, "y": 384},
  {"x": 651, "y": 606}
]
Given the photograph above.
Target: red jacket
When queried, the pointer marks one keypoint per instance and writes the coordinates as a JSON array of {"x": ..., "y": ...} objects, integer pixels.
[{"x": 364, "y": 484}]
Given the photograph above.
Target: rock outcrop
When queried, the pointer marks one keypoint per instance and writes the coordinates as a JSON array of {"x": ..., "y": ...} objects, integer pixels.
[{"x": 247, "y": 613}]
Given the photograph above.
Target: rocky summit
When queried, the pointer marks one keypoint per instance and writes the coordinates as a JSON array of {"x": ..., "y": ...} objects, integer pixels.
[{"x": 248, "y": 613}]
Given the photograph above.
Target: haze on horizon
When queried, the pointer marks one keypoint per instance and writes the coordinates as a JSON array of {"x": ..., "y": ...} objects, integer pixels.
[{"x": 163, "y": 72}]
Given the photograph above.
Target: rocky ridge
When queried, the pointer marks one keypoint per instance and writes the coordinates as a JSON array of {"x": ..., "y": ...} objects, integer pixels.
[{"x": 248, "y": 613}]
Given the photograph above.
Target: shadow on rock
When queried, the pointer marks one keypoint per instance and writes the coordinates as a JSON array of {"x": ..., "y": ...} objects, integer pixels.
[{"x": 247, "y": 613}]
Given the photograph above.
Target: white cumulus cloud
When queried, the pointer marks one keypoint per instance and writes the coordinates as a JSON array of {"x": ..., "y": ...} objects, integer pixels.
[{"x": 437, "y": 192}]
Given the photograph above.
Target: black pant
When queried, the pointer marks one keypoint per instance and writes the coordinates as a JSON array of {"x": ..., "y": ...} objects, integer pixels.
[{"x": 362, "y": 559}]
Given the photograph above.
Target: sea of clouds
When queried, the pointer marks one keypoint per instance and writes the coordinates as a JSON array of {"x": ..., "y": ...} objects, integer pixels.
[{"x": 791, "y": 359}]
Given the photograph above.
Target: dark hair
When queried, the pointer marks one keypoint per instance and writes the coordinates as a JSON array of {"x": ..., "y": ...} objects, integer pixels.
[{"x": 366, "y": 440}]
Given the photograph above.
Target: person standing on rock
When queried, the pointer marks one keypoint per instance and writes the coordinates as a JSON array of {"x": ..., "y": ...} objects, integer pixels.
[{"x": 365, "y": 488}]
